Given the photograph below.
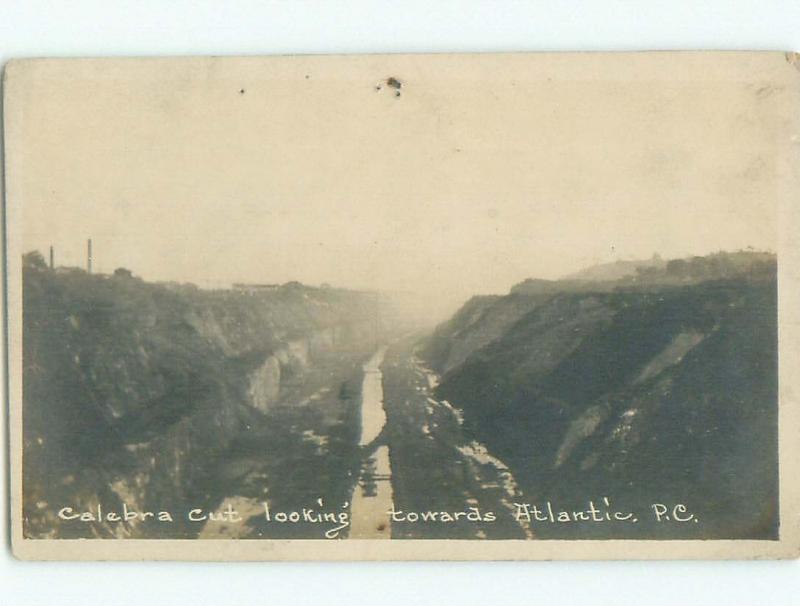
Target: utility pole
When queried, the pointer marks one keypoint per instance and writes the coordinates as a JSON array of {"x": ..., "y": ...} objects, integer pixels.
[
  {"x": 377, "y": 318},
  {"x": 89, "y": 255},
  {"x": 51, "y": 257}
]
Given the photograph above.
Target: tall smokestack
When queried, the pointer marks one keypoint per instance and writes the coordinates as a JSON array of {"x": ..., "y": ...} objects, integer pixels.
[
  {"x": 89, "y": 255},
  {"x": 51, "y": 258}
]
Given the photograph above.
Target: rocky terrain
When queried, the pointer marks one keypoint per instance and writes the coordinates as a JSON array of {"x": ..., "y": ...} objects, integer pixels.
[
  {"x": 657, "y": 387},
  {"x": 133, "y": 390},
  {"x": 639, "y": 383}
]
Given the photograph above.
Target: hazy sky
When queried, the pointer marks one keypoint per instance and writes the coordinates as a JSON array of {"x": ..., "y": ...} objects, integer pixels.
[{"x": 485, "y": 171}]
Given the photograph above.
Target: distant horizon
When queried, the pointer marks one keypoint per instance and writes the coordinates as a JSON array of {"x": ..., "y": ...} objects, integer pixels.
[
  {"x": 105, "y": 269},
  {"x": 481, "y": 174}
]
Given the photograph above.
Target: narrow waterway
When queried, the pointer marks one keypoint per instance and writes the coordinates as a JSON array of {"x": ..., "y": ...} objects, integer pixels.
[
  {"x": 412, "y": 455},
  {"x": 372, "y": 495},
  {"x": 373, "y": 416}
]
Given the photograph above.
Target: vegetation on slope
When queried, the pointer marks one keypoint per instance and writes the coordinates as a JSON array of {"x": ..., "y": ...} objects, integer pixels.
[
  {"x": 131, "y": 389},
  {"x": 659, "y": 391}
]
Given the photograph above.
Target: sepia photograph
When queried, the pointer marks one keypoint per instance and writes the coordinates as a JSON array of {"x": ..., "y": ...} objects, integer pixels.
[{"x": 490, "y": 306}]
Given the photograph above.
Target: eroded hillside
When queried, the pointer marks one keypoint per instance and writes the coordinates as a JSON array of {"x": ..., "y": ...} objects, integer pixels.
[
  {"x": 661, "y": 390},
  {"x": 133, "y": 390}
]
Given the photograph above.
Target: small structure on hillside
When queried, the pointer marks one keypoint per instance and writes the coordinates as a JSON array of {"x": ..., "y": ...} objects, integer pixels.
[{"x": 255, "y": 288}]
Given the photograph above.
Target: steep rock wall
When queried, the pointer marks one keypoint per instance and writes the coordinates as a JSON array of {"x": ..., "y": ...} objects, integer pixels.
[
  {"x": 131, "y": 388},
  {"x": 664, "y": 392}
]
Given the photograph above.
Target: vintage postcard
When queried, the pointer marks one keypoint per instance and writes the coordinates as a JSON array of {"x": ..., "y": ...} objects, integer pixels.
[{"x": 490, "y": 306}]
